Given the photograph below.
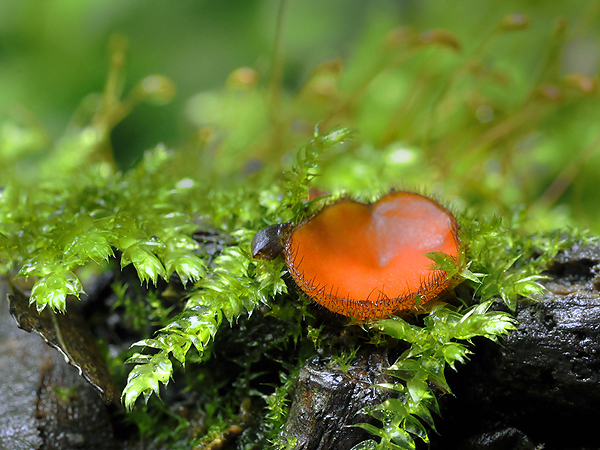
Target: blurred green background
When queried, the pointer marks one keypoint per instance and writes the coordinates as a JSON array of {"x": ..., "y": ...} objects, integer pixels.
[
  {"x": 516, "y": 114},
  {"x": 53, "y": 53}
]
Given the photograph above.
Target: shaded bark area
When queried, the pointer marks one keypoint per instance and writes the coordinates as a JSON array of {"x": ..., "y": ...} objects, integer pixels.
[
  {"x": 327, "y": 399},
  {"x": 539, "y": 389},
  {"x": 69, "y": 412},
  {"x": 22, "y": 356},
  {"x": 45, "y": 402},
  {"x": 543, "y": 382},
  {"x": 70, "y": 335}
]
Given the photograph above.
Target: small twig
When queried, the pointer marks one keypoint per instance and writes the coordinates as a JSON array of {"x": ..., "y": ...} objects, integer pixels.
[{"x": 277, "y": 62}]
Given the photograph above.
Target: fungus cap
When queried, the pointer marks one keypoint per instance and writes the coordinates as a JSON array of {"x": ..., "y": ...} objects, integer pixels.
[{"x": 369, "y": 260}]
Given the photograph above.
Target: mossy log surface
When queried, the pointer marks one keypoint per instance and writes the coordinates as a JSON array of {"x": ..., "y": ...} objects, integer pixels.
[
  {"x": 541, "y": 386},
  {"x": 544, "y": 380}
]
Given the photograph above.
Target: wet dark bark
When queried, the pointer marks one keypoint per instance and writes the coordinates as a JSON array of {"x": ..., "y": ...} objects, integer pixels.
[
  {"x": 327, "y": 399},
  {"x": 544, "y": 380},
  {"x": 539, "y": 388},
  {"x": 45, "y": 403}
]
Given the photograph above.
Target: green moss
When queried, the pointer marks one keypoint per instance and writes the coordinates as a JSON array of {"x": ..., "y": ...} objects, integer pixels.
[{"x": 416, "y": 126}]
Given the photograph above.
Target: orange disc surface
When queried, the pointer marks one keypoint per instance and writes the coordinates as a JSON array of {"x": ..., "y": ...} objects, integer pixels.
[{"x": 368, "y": 261}]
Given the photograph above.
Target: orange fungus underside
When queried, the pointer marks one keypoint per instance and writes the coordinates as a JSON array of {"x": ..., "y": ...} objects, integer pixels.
[{"x": 369, "y": 261}]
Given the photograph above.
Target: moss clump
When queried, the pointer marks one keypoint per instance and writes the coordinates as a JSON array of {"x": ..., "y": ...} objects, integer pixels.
[{"x": 184, "y": 220}]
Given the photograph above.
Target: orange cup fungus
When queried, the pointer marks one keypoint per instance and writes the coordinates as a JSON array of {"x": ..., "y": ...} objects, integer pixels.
[{"x": 369, "y": 260}]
